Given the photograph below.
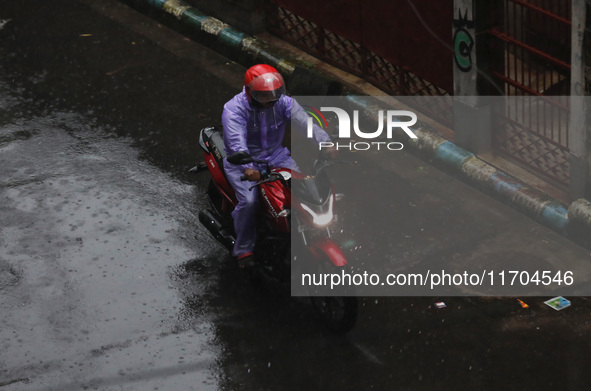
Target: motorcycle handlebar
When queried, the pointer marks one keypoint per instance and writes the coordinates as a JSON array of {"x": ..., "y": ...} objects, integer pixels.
[{"x": 264, "y": 175}]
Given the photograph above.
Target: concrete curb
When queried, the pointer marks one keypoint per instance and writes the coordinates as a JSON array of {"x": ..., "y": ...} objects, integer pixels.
[
  {"x": 240, "y": 47},
  {"x": 530, "y": 201},
  {"x": 572, "y": 221}
]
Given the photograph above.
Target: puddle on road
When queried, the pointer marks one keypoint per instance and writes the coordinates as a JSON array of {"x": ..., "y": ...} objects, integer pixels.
[{"x": 88, "y": 238}]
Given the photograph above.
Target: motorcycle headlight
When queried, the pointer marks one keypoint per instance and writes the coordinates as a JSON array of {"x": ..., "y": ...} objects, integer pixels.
[{"x": 323, "y": 215}]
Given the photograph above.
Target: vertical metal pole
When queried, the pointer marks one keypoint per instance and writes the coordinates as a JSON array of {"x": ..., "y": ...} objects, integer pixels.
[
  {"x": 578, "y": 117},
  {"x": 464, "y": 36},
  {"x": 472, "y": 124}
]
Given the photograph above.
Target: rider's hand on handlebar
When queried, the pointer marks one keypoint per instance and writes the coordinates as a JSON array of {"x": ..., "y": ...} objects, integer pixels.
[{"x": 252, "y": 175}]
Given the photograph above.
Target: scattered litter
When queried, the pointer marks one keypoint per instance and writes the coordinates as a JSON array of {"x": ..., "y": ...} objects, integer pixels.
[
  {"x": 523, "y": 305},
  {"x": 440, "y": 304},
  {"x": 558, "y": 303},
  {"x": 3, "y": 22}
]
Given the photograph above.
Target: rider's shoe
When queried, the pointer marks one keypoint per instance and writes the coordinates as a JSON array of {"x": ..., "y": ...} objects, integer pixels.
[{"x": 246, "y": 261}]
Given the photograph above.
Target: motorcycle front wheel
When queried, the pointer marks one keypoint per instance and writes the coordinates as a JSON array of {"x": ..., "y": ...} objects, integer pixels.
[{"x": 338, "y": 313}]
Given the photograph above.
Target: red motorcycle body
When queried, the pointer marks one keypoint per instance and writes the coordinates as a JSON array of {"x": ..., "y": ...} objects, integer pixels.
[
  {"x": 275, "y": 202},
  {"x": 286, "y": 198}
]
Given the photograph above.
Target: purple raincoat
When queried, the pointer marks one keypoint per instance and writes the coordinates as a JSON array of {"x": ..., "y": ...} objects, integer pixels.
[{"x": 260, "y": 132}]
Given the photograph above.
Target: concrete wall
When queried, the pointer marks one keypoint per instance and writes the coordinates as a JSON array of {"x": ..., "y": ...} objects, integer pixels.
[
  {"x": 586, "y": 68},
  {"x": 580, "y": 136}
]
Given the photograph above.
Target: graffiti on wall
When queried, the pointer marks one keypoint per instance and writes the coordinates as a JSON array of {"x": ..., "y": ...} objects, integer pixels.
[{"x": 463, "y": 41}]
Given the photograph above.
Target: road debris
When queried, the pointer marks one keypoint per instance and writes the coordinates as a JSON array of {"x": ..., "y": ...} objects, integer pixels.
[
  {"x": 558, "y": 303},
  {"x": 523, "y": 305}
]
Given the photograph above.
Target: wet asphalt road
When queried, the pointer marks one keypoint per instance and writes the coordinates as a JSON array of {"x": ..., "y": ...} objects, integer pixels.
[{"x": 108, "y": 281}]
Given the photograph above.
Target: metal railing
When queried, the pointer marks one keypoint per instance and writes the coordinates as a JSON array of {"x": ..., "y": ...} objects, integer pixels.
[{"x": 531, "y": 59}]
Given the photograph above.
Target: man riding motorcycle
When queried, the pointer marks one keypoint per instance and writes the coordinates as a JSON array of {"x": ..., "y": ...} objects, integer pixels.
[{"x": 254, "y": 121}]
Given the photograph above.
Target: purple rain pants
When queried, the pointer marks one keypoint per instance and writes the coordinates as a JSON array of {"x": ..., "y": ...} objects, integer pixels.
[{"x": 260, "y": 132}]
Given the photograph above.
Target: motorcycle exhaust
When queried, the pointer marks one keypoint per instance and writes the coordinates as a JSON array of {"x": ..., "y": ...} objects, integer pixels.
[
  {"x": 198, "y": 168},
  {"x": 217, "y": 229}
]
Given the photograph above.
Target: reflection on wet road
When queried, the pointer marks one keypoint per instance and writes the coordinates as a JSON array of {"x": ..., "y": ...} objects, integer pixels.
[{"x": 90, "y": 239}]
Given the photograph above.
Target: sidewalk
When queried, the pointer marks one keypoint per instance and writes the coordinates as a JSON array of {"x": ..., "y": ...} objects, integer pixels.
[{"x": 316, "y": 78}]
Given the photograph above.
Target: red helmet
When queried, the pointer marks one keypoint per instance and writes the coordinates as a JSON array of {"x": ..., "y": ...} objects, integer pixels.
[{"x": 263, "y": 83}]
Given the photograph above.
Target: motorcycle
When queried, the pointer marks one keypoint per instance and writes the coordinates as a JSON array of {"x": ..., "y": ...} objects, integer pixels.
[{"x": 284, "y": 195}]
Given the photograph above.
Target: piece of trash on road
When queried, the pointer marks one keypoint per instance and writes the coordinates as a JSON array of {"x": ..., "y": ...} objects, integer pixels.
[
  {"x": 3, "y": 22},
  {"x": 558, "y": 303},
  {"x": 440, "y": 304},
  {"x": 523, "y": 305}
]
